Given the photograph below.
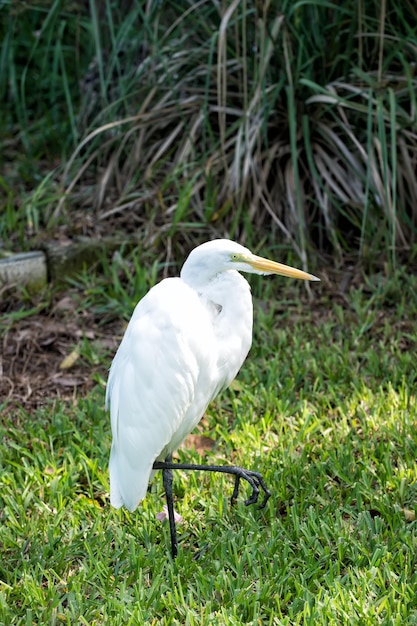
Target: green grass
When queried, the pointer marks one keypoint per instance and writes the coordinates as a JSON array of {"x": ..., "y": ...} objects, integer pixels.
[{"x": 324, "y": 408}]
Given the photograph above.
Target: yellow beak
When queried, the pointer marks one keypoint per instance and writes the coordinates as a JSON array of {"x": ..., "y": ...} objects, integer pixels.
[{"x": 271, "y": 267}]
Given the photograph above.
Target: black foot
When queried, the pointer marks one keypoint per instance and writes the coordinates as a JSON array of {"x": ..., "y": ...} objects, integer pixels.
[
  {"x": 255, "y": 479},
  {"x": 257, "y": 483}
]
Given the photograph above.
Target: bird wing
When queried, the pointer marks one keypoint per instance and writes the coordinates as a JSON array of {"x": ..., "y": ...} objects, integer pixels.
[{"x": 160, "y": 382}]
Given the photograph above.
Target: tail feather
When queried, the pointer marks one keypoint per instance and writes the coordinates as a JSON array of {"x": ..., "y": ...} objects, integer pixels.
[{"x": 128, "y": 485}]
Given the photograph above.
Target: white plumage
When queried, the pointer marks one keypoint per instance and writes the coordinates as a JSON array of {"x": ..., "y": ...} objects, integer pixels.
[{"x": 185, "y": 342}]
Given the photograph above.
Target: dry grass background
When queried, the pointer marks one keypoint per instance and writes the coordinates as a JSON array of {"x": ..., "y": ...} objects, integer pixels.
[{"x": 291, "y": 123}]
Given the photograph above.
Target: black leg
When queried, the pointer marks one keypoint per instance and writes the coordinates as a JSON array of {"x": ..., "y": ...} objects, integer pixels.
[
  {"x": 253, "y": 478},
  {"x": 167, "y": 480}
]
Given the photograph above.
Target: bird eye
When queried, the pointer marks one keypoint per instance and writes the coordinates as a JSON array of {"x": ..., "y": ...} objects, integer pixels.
[{"x": 235, "y": 257}]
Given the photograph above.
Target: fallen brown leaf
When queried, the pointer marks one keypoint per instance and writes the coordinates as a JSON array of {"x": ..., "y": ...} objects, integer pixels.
[
  {"x": 67, "y": 381},
  {"x": 409, "y": 515},
  {"x": 69, "y": 360},
  {"x": 200, "y": 443}
]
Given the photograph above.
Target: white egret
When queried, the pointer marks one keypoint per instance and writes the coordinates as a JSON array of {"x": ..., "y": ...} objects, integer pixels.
[{"x": 185, "y": 342}]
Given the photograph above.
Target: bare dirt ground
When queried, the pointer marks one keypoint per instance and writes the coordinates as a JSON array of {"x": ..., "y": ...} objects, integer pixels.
[{"x": 40, "y": 355}]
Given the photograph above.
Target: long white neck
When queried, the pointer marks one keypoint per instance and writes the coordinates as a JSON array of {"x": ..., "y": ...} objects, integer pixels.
[{"x": 227, "y": 297}]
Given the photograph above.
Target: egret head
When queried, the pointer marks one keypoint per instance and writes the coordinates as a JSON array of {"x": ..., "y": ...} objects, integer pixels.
[{"x": 221, "y": 255}]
